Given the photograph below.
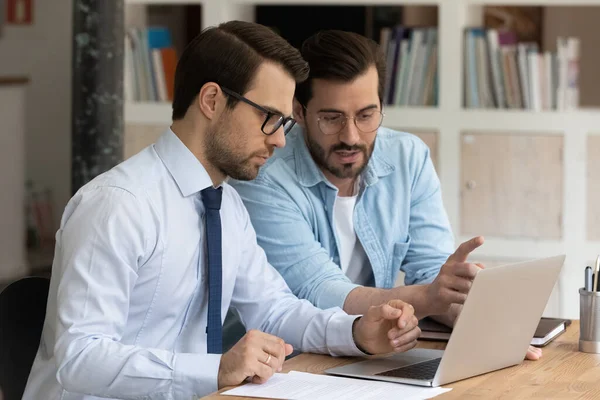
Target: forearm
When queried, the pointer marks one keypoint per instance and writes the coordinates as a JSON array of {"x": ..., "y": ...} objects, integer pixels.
[
  {"x": 361, "y": 298},
  {"x": 268, "y": 305},
  {"x": 302, "y": 325},
  {"x": 104, "y": 368}
]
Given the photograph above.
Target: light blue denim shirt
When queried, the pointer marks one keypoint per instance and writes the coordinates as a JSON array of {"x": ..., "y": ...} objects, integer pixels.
[{"x": 399, "y": 217}]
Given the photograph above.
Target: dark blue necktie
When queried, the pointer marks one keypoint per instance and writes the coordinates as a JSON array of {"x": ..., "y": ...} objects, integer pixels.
[{"x": 211, "y": 198}]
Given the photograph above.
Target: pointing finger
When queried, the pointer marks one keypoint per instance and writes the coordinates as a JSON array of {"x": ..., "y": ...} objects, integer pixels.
[{"x": 465, "y": 248}]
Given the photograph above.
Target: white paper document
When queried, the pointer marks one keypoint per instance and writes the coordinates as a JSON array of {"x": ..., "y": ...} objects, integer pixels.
[{"x": 301, "y": 385}]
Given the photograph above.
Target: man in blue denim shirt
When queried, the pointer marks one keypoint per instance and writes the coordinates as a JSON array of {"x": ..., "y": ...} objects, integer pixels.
[{"x": 347, "y": 204}]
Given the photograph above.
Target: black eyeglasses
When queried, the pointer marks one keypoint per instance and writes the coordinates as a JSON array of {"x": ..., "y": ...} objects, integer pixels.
[{"x": 273, "y": 120}]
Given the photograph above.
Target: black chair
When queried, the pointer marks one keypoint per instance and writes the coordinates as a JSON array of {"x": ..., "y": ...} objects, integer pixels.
[{"x": 22, "y": 314}]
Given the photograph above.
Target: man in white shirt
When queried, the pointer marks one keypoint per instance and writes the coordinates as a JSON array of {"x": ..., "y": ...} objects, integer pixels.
[{"x": 151, "y": 254}]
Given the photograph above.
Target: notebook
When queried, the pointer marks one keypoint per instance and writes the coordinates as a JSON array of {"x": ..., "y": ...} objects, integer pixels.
[{"x": 548, "y": 329}]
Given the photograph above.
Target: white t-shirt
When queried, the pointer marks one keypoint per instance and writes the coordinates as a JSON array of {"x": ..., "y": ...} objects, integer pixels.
[{"x": 353, "y": 259}]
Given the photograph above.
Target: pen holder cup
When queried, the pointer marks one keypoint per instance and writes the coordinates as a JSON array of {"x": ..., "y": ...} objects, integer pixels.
[{"x": 589, "y": 321}]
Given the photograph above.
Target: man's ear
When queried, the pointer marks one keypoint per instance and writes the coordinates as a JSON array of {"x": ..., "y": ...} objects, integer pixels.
[
  {"x": 299, "y": 111},
  {"x": 210, "y": 100}
]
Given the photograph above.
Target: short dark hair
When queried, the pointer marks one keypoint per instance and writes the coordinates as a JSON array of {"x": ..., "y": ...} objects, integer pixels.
[
  {"x": 229, "y": 55},
  {"x": 340, "y": 56}
]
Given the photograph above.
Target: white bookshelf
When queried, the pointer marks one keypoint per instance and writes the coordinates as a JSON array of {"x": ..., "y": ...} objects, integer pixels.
[
  {"x": 233, "y": 3},
  {"x": 548, "y": 3},
  {"x": 549, "y": 122},
  {"x": 450, "y": 119},
  {"x": 162, "y": 2}
]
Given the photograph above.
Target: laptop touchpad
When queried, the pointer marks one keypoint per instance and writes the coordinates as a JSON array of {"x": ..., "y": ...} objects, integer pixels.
[{"x": 376, "y": 365}]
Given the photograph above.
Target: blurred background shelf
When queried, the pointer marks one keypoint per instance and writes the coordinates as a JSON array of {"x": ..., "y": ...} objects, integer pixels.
[
  {"x": 526, "y": 179},
  {"x": 522, "y": 174},
  {"x": 545, "y": 3},
  {"x": 148, "y": 113}
]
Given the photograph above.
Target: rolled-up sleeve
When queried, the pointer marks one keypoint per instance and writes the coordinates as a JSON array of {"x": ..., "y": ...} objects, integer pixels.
[
  {"x": 432, "y": 240},
  {"x": 102, "y": 242}
]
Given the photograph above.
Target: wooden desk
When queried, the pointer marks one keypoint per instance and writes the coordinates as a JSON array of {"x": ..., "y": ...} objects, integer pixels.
[{"x": 562, "y": 372}]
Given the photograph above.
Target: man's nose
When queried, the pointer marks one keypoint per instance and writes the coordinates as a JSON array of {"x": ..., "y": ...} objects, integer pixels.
[
  {"x": 349, "y": 134},
  {"x": 277, "y": 139}
]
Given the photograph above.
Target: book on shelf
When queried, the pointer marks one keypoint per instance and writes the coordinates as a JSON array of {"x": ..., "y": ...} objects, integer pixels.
[
  {"x": 150, "y": 62},
  {"x": 411, "y": 65},
  {"x": 547, "y": 330},
  {"x": 500, "y": 72}
]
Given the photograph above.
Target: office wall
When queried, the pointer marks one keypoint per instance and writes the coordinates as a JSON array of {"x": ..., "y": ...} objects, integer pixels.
[
  {"x": 43, "y": 53},
  {"x": 12, "y": 158}
]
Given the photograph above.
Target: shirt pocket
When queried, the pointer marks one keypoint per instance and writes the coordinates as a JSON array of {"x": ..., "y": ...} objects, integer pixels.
[{"x": 398, "y": 253}]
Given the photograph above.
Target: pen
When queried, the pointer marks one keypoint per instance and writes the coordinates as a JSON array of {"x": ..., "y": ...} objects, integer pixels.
[
  {"x": 588, "y": 279},
  {"x": 595, "y": 280}
]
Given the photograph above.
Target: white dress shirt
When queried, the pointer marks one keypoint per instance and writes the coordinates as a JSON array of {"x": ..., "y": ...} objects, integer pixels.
[{"x": 127, "y": 307}]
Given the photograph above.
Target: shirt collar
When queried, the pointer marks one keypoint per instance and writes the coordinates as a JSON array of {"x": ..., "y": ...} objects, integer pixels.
[
  {"x": 309, "y": 174},
  {"x": 187, "y": 171}
]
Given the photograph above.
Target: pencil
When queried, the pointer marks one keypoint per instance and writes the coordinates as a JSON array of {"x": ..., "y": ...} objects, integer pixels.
[{"x": 596, "y": 276}]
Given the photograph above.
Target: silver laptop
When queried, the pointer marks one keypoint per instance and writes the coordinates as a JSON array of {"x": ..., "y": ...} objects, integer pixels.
[{"x": 493, "y": 331}]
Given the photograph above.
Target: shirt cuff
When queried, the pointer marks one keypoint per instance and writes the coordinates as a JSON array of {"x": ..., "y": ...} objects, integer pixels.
[
  {"x": 339, "y": 335},
  {"x": 195, "y": 375},
  {"x": 334, "y": 294}
]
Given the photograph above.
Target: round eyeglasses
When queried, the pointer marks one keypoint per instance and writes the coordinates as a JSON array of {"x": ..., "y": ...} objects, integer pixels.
[
  {"x": 273, "y": 120},
  {"x": 366, "y": 121}
]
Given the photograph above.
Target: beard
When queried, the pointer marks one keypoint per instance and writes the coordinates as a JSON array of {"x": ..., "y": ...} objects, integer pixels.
[
  {"x": 225, "y": 151},
  {"x": 343, "y": 171}
]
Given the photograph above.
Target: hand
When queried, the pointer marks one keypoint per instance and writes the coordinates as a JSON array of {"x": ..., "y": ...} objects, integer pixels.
[
  {"x": 257, "y": 355},
  {"x": 454, "y": 279},
  {"x": 533, "y": 353},
  {"x": 390, "y": 327}
]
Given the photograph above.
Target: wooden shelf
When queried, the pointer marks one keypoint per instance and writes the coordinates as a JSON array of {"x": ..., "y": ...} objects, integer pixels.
[
  {"x": 164, "y": 2},
  {"x": 548, "y": 3},
  {"x": 13, "y": 80},
  {"x": 292, "y": 2},
  {"x": 548, "y": 122},
  {"x": 529, "y": 121},
  {"x": 342, "y": 2},
  {"x": 491, "y": 120}
]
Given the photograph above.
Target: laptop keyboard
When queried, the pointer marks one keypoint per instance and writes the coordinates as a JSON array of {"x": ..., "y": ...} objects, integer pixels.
[{"x": 421, "y": 371}]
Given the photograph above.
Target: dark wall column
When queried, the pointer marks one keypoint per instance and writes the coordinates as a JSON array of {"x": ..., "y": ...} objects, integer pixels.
[{"x": 97, "y": 85}]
